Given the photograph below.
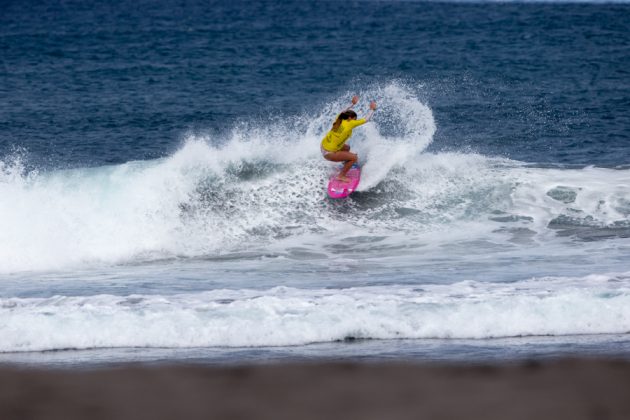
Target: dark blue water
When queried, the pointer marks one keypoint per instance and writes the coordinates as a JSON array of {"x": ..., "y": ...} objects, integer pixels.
[{"x": 88, "y": 83}]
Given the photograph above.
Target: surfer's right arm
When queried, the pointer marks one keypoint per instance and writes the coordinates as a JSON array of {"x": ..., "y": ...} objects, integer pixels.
[{"x": 355, "y": 123}]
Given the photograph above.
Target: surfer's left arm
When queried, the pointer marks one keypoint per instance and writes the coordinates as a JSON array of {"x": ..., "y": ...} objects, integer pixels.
[
  {"x": 355, "y": 100},
  {"x": 371, "y": 111}
]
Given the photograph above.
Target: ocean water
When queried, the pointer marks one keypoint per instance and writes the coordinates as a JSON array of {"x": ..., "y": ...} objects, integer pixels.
[{"x": 162, "y": 193}]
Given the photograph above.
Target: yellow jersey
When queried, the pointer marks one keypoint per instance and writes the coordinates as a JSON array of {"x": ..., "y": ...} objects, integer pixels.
[{"x": 335, "y": 139}]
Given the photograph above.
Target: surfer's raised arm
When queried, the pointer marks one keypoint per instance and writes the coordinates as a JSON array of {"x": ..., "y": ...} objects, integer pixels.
[
  {"x": 355, "y": 100},
  {"x": 371, "y": 111}
]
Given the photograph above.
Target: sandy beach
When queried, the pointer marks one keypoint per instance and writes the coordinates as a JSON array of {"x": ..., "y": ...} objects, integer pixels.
[{"x": 566, "y": 389}]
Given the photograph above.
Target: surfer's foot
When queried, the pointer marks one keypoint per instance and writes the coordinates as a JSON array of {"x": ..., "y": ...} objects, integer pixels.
[{"x": 343, "y": 178}]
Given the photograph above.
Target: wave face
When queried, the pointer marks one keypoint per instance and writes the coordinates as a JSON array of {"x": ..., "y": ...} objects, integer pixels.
[
  {"x": 284, "y": 316},
  {"x": 264, "y": 182}
]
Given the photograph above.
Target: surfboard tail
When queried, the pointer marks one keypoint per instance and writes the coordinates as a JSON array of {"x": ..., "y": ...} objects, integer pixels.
[{"x": 341, "y": 189}]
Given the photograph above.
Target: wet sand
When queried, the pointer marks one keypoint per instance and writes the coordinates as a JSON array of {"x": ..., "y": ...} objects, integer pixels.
[{"x": 565, "y": 389}]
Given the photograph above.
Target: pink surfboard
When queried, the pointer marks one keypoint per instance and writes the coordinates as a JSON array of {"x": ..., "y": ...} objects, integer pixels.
[{"x": 340, "y": 189}]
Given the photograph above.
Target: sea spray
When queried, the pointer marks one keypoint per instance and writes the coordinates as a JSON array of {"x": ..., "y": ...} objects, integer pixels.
[{"x": 263, "y": 182}]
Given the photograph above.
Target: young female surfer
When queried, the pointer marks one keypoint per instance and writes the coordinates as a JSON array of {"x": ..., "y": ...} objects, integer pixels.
[{"x": 334, "y": 147}]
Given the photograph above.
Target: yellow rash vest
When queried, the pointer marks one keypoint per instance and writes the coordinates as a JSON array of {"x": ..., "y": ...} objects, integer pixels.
[{"x": 335, "y": 139}]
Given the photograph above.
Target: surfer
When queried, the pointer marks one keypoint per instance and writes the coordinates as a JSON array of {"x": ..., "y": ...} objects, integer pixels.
[{"x": 334, "y": 147}]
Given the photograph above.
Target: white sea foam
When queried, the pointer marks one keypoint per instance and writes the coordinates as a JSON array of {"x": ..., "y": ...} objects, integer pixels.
[
  {"x": 283, "y": 316},
  {"x": 266, "y": 181}
]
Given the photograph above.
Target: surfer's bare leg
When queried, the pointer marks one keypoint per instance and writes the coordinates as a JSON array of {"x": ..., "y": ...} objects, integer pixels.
[{"x": 343, "y": 156}]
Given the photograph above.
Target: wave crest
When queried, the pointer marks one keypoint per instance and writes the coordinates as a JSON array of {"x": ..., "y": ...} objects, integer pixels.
[{"x": 265, "y": 182}]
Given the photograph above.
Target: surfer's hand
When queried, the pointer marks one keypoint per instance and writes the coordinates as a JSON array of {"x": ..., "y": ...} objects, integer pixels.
[
  {"x": 355, "y": 100},
  {"x": 373, "y": 105}
]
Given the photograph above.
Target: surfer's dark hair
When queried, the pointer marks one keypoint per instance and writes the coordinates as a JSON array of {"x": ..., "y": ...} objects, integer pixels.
[{"x": 343, "y": 116}]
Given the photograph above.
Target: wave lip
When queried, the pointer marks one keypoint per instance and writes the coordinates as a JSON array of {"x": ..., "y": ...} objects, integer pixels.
[{"x": 597, "y": 304}]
